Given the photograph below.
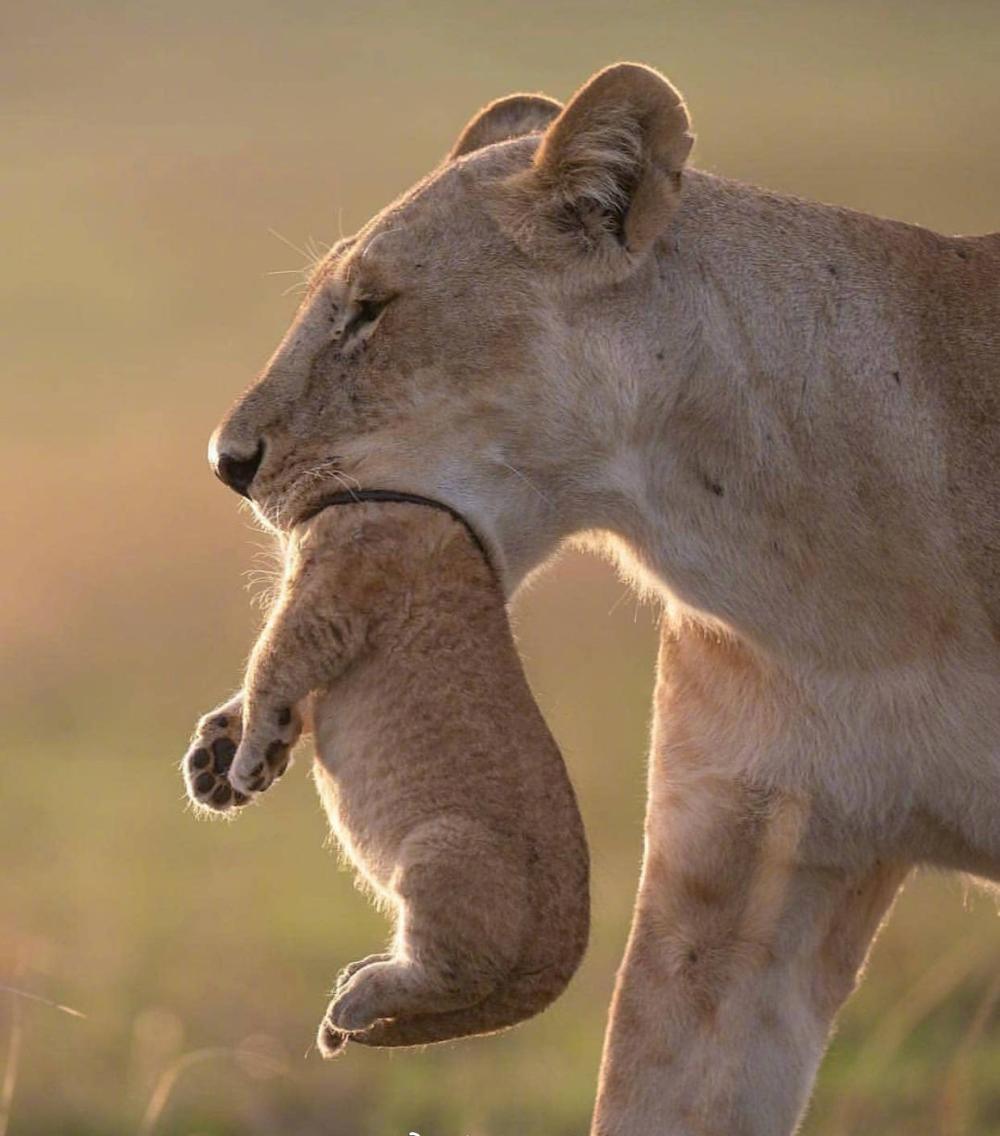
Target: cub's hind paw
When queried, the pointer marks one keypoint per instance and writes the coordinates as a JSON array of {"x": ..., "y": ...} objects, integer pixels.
[
  {"x": 378, "y": 988},
  {"x": 352, "y": 969},
  {"x": 206, "y": 764},
  {"x": 329, "y": 1040},
  {"x": 265, "y": 752}
]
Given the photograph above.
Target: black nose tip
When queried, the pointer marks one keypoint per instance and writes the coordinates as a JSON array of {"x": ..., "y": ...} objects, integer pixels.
[{"x": 238, "y": 473}]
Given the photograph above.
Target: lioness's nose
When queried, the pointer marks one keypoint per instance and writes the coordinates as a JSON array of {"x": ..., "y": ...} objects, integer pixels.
[{"x": 238, "y": 472}]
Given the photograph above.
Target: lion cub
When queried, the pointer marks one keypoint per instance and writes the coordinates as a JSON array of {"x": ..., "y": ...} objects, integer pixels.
[{"x": 439, "y": 776}]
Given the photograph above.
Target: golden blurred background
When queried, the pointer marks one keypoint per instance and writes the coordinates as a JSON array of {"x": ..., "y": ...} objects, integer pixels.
[{"x": 151, "y": 155}]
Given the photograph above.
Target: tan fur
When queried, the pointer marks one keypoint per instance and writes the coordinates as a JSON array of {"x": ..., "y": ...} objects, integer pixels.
[
  {"x": 506, "y": 118},
  {"x": 783, "y": 420},
  {"x": 440, "y": 779}
]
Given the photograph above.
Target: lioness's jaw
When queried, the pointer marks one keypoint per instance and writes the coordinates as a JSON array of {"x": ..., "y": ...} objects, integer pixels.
[{"x": 606, "y": 179}]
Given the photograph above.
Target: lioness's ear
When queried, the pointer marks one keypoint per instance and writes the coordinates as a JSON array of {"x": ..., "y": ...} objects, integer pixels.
[
  {"x": 606, "y": 178},
  {"x": 506, "y": 118}
]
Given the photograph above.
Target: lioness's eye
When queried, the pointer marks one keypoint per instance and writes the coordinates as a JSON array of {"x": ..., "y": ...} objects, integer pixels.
[{"x": 367, "y": 312}]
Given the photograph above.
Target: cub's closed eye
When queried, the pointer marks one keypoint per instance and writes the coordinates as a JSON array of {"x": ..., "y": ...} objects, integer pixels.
[{"x": 366, "y": 312}]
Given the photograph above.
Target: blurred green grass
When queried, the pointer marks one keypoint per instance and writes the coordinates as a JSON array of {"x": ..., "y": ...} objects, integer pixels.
[{"x": 147, "y": 153}]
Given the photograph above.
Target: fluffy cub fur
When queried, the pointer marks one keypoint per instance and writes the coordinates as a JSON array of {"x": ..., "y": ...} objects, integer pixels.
[{"x": 439, "y": 776}]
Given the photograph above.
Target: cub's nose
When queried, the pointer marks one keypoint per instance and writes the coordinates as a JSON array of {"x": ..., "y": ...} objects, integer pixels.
[{"x": 238, "y": 473}]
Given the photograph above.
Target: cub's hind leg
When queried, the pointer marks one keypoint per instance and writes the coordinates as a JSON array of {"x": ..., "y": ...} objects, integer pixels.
[{"x": 463, "y": 907}]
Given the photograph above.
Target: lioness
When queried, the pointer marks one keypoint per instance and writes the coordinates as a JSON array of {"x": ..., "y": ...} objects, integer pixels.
[
  {"x": 783, "y": 419},
  {"x": 439, "y": 776}
]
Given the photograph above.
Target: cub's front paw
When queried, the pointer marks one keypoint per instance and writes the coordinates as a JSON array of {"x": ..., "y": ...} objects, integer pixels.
[
  {"x": 265, "y": 751},
  {"x": 207, "y": 763}
]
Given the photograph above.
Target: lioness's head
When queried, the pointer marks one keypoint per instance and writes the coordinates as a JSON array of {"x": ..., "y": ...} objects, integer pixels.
[{"x": 454, "y": 346}]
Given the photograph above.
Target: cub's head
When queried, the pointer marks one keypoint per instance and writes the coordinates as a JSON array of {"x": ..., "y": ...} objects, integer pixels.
[{"x": 454, "y": 346}]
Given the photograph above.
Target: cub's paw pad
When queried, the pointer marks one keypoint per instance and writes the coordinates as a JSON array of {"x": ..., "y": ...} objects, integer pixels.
[
  {"x": 329, "y": 1040},
  {"x": 206, "y": 764}
]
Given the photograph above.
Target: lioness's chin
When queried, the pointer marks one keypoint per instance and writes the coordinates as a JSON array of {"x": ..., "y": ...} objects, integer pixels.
[
  {"x": 282, "y": 509},
  {"x": 281, "y": 514}
]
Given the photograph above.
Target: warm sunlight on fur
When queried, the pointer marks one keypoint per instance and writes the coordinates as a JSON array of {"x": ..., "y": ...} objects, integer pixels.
[
  {"x": 785, "y": 415},
  {"x": 438, "y": 774},
  {"x": 182, "y": 183}
]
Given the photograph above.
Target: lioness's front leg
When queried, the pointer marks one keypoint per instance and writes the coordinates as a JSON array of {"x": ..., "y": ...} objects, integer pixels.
[
  {"x": 724, "y": 1002},
  {"x": 747, "y": 937}
]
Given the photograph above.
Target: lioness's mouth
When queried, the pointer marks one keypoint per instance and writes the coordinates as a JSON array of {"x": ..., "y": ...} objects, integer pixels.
[
  {"x": 281, "y": 495},
  {"x": 359, "y": 496}
]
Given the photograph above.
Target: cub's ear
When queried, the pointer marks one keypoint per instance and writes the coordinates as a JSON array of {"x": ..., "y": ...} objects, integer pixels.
[
  {"x": 606, "y": 179},
  {"x": 504, "y": 119}
]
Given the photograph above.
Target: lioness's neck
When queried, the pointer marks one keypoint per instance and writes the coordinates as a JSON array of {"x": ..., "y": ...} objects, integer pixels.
[{"x": 782, "y": 467}]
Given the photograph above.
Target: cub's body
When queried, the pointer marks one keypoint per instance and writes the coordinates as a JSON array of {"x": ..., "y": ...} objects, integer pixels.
[
  {"x": 444, "y": 786},
  {"x": 439, "y": 775}
]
